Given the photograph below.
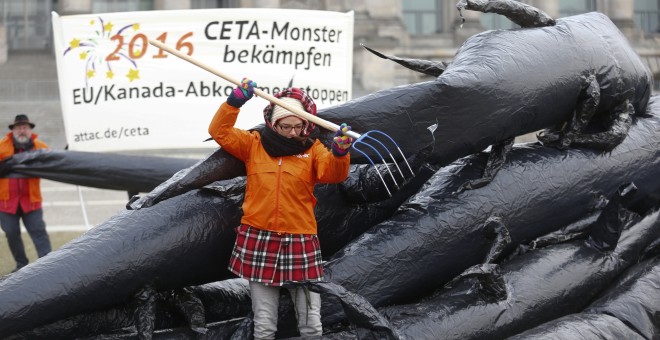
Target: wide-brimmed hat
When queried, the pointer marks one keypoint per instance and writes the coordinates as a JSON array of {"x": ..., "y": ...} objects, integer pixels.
[{"x": 21, "y": 119}]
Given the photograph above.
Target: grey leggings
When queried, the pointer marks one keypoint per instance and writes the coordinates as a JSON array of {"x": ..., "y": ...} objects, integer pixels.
[{"x": 265, "y": 301}]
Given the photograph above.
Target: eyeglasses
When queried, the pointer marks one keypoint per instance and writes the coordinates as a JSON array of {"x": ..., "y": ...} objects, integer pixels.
[{"x": 287, "y": 128}]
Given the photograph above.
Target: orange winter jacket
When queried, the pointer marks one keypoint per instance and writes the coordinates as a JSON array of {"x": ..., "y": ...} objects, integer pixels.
[
  {"x": 279, "y": 195},
  {"x": 7, "y": 150}
]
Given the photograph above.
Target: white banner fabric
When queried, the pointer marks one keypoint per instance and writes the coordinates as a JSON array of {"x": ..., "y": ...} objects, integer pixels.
[{"x": 120, "y": 93}]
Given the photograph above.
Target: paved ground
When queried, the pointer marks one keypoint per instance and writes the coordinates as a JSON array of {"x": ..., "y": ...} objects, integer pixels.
[{"x": 72, "y": 207}]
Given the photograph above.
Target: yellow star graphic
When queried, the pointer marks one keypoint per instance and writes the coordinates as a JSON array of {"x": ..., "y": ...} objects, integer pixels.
[
  {"x": 133, "y": 74},
  {"x": 136, "y": 53},
  {"x": 83, "y": 55},
  {"x": 108, "y": 27},
  {"x": 109, "y": 74},
  {"x": 74, "y": 43},
  {"x": 136, "y": 27},
  {"x": 92, "y": 22},
  {"x": 90, "y": 73}
]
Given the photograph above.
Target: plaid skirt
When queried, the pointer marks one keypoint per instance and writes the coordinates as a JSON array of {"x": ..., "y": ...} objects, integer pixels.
[{"x": 273, "y": 258}]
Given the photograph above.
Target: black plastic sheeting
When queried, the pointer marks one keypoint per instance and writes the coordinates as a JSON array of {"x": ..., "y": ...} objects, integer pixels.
[
  {"x": 99, "y": 170},
  {"x": 182, "y": 241},
  {"x": 628, "y": 310},
  {"x": 584, "y": 327},
  {"x": 174, "y": 245},
  {"x": 541, "y": 285},
  {"x": 194, "y": 308},
  {"x": 437, "y": 234},
  {"x": 432, "y": 68},
  {"x": 526, "y": 291},
  {"x": 631, "y": 299},
  {"x": 502, "y": 84},
  {"x": 369, "y": 322},
  {"x": 181, "y": 233},
  {"x": 566, "y": 185}
]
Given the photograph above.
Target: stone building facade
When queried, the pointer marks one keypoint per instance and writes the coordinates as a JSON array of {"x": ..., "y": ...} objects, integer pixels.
[
  {"x": 424, "y": 29},
  {"x": 421, "y": 29}
]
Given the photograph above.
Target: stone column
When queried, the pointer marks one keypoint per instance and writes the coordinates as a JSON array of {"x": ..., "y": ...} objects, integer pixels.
[
  {"x": 467, "y": 26},
  {"x": 71, "y": 7},
  {"x": 260, "y": 3},
  {"x": 171, "y": 4},
  {"x": 622, "y": 13},
  {"x": 550, "y": 7},
  {"x": 3, "y": 44},
  {"x": 378, "y": 25}
]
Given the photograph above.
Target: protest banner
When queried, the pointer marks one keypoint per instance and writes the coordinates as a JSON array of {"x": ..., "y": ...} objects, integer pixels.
[{"x": 120, "y": 93}]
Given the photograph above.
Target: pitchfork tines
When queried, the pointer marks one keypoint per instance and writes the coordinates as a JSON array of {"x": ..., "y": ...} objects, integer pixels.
[{"x": 367, "y": 141}]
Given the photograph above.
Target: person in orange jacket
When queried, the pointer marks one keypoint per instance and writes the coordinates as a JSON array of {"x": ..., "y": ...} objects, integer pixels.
[
  {"x": 277, "y": 239},
  {"x": 21, "y": 197}
]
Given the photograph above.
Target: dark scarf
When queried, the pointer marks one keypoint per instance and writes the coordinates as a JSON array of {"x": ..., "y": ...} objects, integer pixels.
[
  {"x": 277, "y": 145},
  {"x": 20, "y": 147}
]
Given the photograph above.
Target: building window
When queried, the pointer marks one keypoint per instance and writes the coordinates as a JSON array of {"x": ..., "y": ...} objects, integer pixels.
[
  {"x": 423, "y": 17},
  {"x": 647, "y": 15},
  {"x": 575, "y": 7},
  {"x": 492, "y": 21},
  {"x": 109, "y": 6},
  {"x": 27, "y": 23}
]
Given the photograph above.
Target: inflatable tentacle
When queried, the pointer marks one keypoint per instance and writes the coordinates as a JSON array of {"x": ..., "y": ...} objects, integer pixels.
[
  {"x": 607, "y": 140},
  {"x": 431, "y": 68},
  {"x": 521, "y": 14}
]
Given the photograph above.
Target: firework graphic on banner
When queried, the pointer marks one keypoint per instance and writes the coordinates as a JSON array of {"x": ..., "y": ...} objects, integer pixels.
[{"x": 108, "y": 52}]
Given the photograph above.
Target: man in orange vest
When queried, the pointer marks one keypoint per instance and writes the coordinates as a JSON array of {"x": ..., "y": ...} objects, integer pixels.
[{"x": 21, "y": 197}]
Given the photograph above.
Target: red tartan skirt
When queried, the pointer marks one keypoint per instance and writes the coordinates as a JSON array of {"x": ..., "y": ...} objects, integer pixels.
[{"x": 273, "y": 258}]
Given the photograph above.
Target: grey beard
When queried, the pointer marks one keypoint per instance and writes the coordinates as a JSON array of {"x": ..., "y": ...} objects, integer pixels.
[
  {"x": 21, "y": 139},
  {"x": 27, "y": 145}
]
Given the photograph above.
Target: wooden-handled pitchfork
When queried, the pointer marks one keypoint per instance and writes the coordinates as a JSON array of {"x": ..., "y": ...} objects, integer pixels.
[{"x": 359, "y": 139}]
